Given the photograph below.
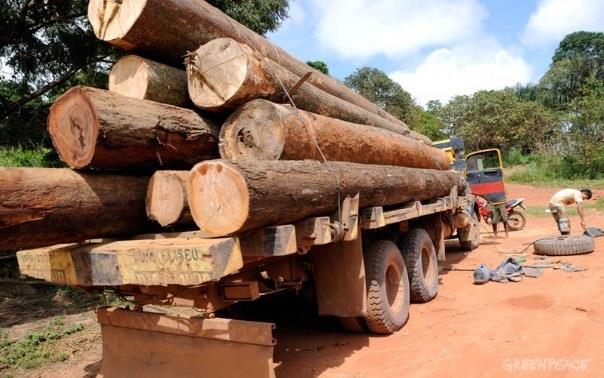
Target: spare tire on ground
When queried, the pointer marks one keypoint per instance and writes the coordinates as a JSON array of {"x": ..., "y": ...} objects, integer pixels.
[{"x": 564, "y": 245}]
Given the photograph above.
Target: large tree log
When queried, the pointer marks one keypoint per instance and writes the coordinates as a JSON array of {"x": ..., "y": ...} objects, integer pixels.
[
  {"x": 224, "y": 74},
  {"x": 44, "y": 206},
  {"x": 264, "y": 130},
  {"x": 94, "y": 128},
  {"x": 136, "y": 77},
  {"x": 167, "y": 201},
  {"x": 143, "y": 25},
  {"x": 229, "y": 197}
]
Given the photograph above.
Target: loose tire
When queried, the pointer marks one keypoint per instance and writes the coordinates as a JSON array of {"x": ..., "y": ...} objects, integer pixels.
[
  {"x": 422, "y": 266},
  {"x": 565, "y": 246},
  {"x": 516, "y": 221},
  {"x": 387, "y": 288},
  {"x": 353, "y": 324}
]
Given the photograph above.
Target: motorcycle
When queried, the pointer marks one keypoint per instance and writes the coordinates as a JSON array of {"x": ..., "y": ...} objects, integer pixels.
[{"x": 516, "y": 218}]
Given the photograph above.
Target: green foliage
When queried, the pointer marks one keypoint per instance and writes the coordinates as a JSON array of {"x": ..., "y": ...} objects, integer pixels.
[
  {"x": 261, "y": 16},
  {"x": 36, "y": 347},
  {"x": 499, "y": 119},
  {"x": 319, "y": 65},
  {"x": 578, "y": 59},
  {"x": 377, "y": 87},
  {"x": 36, "y": 156},
  {"x": 430, "y": 125}
]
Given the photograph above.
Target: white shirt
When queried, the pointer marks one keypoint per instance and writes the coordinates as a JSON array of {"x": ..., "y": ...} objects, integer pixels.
[{"x": 566, "y": 197}]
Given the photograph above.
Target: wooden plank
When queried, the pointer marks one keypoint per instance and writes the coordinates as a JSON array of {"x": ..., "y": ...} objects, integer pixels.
[
  {"x": 135, "y": 262},
  {"x": 270, "y": 242}
]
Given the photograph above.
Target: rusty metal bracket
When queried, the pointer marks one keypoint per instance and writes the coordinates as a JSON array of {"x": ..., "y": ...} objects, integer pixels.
[{"x": 345, "y": 223}]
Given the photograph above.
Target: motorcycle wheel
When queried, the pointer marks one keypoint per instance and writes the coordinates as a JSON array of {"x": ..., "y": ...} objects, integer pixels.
[{"x": 516, "y": 221}]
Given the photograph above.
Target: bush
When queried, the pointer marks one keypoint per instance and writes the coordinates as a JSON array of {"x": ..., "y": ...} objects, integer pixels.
[{"x": 37, "y": 156}]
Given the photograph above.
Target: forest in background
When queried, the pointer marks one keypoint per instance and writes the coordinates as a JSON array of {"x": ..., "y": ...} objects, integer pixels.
[{"x": 555, "y": 127}]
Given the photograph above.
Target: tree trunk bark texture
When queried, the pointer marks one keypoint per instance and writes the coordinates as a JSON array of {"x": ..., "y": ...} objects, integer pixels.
[
  {"x": 94, "y": 128},
  {"x": 230, "y": 197}
]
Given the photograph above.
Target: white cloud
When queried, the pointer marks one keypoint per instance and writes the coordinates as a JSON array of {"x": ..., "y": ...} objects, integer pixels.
[
  {"x": 464, "y": 69},
  {"x": 553, "y": 19},
  {"x": 364, "y": 28}
]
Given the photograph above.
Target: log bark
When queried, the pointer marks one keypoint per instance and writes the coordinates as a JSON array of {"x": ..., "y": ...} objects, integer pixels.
[
  {"x": 94, "y": 128},
  {"x": 224, "y": 74},
  {"x": 230, "y": 197},
  {"x": 144, "y": 79},
  {"x": 267, "y": 131},
  {"x": 45, "y": 206},
  {"x": 142, "y": 25},
  {"x": 167, "y": 202}
]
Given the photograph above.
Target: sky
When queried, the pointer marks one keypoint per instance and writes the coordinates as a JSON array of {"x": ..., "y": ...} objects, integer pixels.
[{"x": 437, "y": 49}]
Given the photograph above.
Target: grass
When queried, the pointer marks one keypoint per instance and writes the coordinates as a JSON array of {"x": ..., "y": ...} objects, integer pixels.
[
  {"x": 39, "y": 156},
  {"x": 537, "y": 176},
  {"x": 36, "y": 347},
  {"x": 539, "y": 212}
]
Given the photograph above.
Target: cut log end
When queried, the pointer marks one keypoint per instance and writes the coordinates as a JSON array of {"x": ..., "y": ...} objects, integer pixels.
[
  {"x": 256, "y": 130},
  {"x": 218, "y": 197},
  {"x": 216, "y": 72},
  {"x": 165, "y": 199},
  {"x": 112, "y": 19},
  {"x": 129, "y": 77},
  {"x": 73, "y": 125}
]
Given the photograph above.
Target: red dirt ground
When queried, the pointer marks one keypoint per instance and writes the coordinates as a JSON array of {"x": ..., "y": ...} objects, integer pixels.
[
  {"x": 478, "y": 331},
  {"x": 468, "y": 330}
]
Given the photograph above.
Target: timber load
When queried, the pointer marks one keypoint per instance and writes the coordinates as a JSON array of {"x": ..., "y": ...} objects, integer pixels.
[
  {"x": 154, "y": 150},
  {"x": 144, "y": 79},
  {"x": 45, "y": 206},
  {"x": 264, "y": 130},
  {"x": 230, "y": 197},
  {"x": 144, "y": 26},
  {"x": 224, "y": 74},
  {"x": 94, "y": 128},
  {"x": 167, "y": 200}
]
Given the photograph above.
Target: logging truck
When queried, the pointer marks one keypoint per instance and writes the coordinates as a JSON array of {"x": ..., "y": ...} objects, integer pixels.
[
  {"x": 366, "y": 265},
  {"x": 288, "y": 180}
]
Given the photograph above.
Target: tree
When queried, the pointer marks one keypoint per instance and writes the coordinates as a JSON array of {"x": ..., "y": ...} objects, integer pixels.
[
  {"x": 262, "y": 16},
  {"x": 578, "y": 58},
  {"x": 48, "y": 46},
  {"x": 377, "y": 87},
  {"x": 499, "y": 119},
  {"x": 319, "y": 65}
]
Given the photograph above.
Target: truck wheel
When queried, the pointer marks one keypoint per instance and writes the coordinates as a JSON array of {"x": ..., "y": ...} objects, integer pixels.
[
  {"x": 469, "y": 238},
  {"x": 353, "y": 324},
  {"x": 420, "y": 258},
  {"x": 516, "y": 221},
  {"x": 387, "y": 288},
  {"x": 565, "y": 246}
]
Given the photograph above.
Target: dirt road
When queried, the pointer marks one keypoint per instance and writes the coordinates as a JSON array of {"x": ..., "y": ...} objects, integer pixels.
[{"x": 548, "y": 326}]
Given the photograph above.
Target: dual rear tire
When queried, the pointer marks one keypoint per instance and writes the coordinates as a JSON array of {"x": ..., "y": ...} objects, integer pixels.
[{"x": 395, "y": 277}]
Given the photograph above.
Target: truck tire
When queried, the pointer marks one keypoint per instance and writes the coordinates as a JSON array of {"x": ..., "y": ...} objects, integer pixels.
[
  {"x": 565, "y": 246},
  {"x": 516, "y": 221},
  {"x": 422, "y": 266},
  {"x": 387, "y": 288},
  {"x": 469, "y": 239},
  {"x": 353, "y": 324}
]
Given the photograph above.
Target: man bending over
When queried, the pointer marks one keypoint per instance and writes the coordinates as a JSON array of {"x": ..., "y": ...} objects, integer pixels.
[{"x": 567, "y": 197}]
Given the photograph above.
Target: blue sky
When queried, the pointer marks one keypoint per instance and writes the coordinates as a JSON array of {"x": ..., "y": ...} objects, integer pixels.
[{"x": 437, "y": 48}]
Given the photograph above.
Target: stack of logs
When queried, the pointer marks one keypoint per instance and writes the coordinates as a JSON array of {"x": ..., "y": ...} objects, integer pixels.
[{"x": 214, "y": 129}]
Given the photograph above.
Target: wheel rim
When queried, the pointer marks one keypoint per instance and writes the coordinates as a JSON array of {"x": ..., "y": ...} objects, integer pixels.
[
  {"x": 395, "y": 291},
  {"x": 515, "y": 221}
]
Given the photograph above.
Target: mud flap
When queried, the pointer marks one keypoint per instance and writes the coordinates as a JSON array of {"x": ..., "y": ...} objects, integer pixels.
[{"x": 142, "y": 344}]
